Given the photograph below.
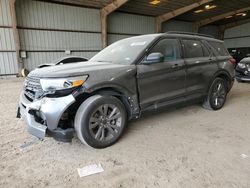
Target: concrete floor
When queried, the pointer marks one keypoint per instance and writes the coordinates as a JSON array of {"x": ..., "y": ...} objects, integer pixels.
[{"x": 188, "y": 147}]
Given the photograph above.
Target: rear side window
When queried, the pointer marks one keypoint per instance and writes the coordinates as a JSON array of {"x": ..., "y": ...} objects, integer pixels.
[
  {"x": 193, "y": 48},
  {"x": 206, "y": 52},
  {"x": 72, "y": 60},
  {"x": 219, "y": 47}
]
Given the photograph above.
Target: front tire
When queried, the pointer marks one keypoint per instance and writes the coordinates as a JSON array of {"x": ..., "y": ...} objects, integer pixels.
[
  {"x": 100, "y": 121},
  {"x": 217, "y": 95}
]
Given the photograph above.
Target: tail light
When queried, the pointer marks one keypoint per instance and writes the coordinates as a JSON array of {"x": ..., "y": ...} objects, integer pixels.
[{"x": 233, "y": 61}]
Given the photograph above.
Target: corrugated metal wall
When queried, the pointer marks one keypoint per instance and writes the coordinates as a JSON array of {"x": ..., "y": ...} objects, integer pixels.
[
  {"x": 46, "y": 30},
  {"x": 238, "y": 37},
  {"x": 122, "y": 25},
  {"x": 32, "y": 40},
  {"x": 210, "y": 30},
  {"x": 174, "y": 25},
  {"x": 8, "y": 60}
]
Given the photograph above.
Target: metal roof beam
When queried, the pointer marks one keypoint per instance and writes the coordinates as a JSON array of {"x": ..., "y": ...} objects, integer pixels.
[
  {"x": 167, "y": 16},
  {"x": 113, "y": 6},
  {"x": 15, "y": 33},
  {"x": 105, "y": 11},
  {"x": 219, "y": 17}
]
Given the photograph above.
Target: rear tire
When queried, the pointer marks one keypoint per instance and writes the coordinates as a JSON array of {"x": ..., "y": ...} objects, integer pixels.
[
  {"x": 100, "y": 121},
  {"x": 240, "y": 81},
  {"x": 217, "y": 95}
]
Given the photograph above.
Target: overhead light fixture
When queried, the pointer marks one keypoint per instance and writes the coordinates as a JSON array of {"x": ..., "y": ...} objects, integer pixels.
[
  {"x": 241, "y": 14},
  {"x": 228, "y": 17},
  {"x": 198, "y": 11},
  {"x": 154, "y": 2},
  {"x": 238, "y": 14},
  {"x": 209, "y": 7}
]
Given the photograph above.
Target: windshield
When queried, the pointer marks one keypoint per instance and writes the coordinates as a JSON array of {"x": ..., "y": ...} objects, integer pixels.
[{"x": 124, "y": 51}]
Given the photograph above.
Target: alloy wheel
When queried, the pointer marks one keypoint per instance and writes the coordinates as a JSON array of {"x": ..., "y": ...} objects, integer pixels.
[
  {"x": 105, "y": 122},
  {"x": 219, "y": 94}
]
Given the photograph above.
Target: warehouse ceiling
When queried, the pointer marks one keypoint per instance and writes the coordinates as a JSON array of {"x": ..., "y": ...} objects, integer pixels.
[
  {"x": 233, "y": 19},
  {"x": 222, "y": 7},
  {"x": 146, "y": 8},
  {"x": 159, "y": 7}
]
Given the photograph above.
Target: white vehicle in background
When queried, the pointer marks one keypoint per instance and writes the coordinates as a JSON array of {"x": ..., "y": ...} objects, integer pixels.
[
  {"x": 64, "y": 60},
  {"x": 59, "y": 61}
]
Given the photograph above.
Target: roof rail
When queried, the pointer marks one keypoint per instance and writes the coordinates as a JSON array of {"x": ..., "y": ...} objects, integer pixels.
[{"x": 189, "y": 33}]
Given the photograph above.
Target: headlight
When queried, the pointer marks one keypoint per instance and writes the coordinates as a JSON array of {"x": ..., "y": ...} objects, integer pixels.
[
  {"x": 241, "y": 65},
  {"x": 53, "y": 84}
]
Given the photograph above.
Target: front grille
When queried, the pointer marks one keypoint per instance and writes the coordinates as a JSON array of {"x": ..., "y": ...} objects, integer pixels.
[{"x": 32, "y": 88}]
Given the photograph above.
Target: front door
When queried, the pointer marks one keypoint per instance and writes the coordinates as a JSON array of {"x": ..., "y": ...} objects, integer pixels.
[{"x": 163, "y": 82}]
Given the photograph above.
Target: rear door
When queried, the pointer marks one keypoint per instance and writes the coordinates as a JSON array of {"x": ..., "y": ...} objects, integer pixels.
[
  {"x": 201, "y": 65},
  {"x": 163, "y": 82}
]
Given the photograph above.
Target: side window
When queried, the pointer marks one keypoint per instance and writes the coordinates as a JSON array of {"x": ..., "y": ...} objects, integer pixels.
[
  {"x": 71, "y": 60},
  {"x": 169, "y": 48},
  {"x": 193, "y": 48},
  {"x": 67, "y": 60},
  {"x": 77, "y": 59},
  {"x": 219, "y": 47},
  {"x": 206, "y": 52}
]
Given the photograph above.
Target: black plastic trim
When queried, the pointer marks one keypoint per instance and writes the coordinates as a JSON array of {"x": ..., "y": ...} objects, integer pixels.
[{"x": 62, "y": 135}]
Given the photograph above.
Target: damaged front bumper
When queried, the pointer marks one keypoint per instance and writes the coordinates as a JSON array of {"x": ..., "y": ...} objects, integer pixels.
[{"x": 42, "y": 116}]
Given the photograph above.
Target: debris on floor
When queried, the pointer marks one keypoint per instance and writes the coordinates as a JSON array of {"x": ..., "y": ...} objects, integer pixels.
[
  {"x": 244, "y": 156},
  {"x": 90, "y": 170},
  {"x": 29, "y": 143}
]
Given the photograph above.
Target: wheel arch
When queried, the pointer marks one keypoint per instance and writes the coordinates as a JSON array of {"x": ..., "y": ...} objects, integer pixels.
[
  {"x": 124, "y": 96},
  {"x": 224, "y": 75},
  {"x": 128, "y": 98}
]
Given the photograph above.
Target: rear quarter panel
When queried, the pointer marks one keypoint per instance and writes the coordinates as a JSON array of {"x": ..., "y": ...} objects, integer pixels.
[{"x": 224, "y": 64}]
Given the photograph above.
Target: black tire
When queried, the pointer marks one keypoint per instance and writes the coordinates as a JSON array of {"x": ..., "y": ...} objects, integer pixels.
[
  {"x": 91, "y": 121},
  {"x": 240, "y": 81},
  {"x": 217, "y": 95}
]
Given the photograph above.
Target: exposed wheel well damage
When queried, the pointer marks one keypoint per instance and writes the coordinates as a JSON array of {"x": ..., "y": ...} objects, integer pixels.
[{"x": 129, "y": 101}]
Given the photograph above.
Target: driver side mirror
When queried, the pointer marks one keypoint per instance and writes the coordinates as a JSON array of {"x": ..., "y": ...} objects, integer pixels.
[{"x": 154, "y": 58}]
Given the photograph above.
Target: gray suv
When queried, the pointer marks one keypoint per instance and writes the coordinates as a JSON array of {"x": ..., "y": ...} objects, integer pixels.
[{"x": 96, "y": 98}]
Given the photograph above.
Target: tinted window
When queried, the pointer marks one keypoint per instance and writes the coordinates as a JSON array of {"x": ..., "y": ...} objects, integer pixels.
[
  {"x": 169, "y": 49},
  {"x": 193, "y": 48},
  {"x": 219, "y": 47},
  {"x": 206, "y": 52},
  {"x": 78, "y": 59},
  {"x": 72, "y": 60}
]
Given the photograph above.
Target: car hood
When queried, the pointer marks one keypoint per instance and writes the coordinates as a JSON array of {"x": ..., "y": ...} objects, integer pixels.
[
  {"x": 245, "y": 60},
  {"x": 76, "y": 69}
]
